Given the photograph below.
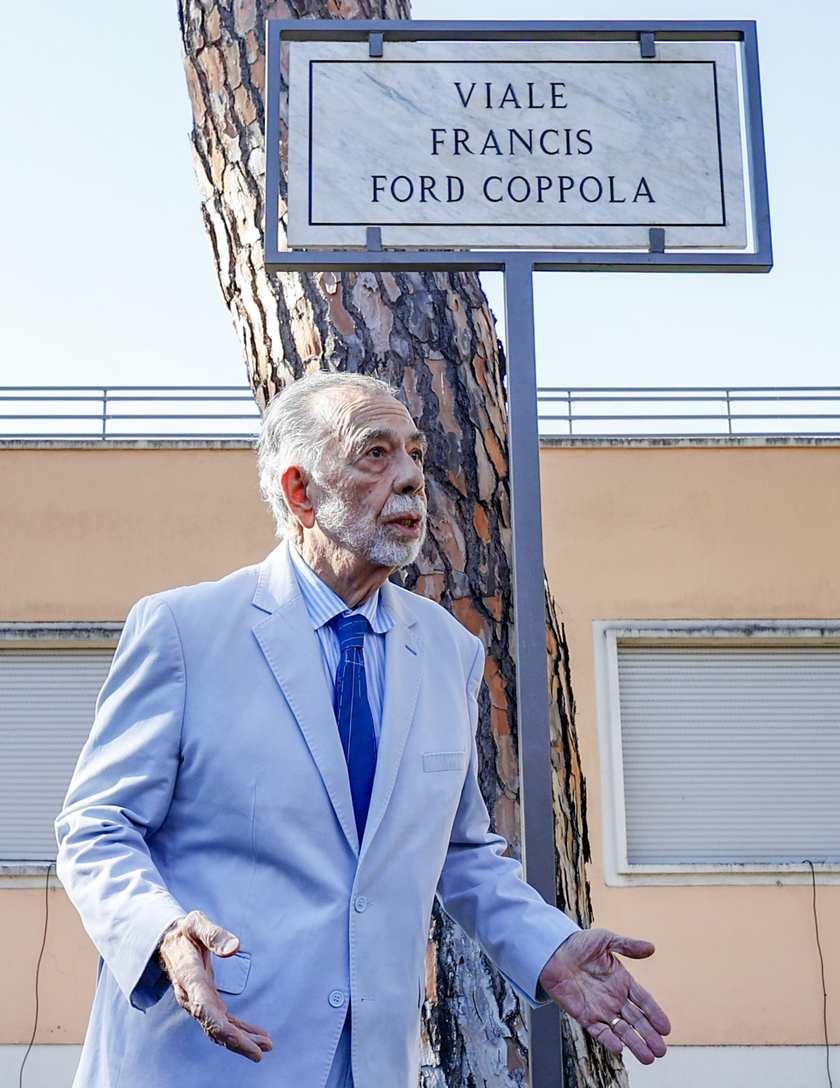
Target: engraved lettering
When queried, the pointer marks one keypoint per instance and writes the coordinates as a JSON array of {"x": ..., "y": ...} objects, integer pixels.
[
  {"x": 509, "y": 96},
  {"x": 527, "y": 192},
  {"x": 377, "y": 187},
  {"x": 491, "y": 142},
  {"x": 450, "y": 189},
  {"x": 643, "y": 190},
  {"x": 531, "y": 103},
  {"x": 566, "y": 184},
  {"x": 409, "y": 192},
  {"x": 543, "y": 135},
  {"x": 465, "y": 101},
  {"x": 493, "y": 199},
  {"x": 527, "y": 144},
  {"x": 613, "y": 199},
  {"x": 427, "y": 185},
  {"x": 599, "y": 194},
  {"x": 461, "y": 138}
]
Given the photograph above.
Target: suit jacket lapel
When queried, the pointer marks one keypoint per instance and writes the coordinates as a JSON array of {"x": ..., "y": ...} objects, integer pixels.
[
  {"x": 291, "y": 649},
  {"x": 404, "y": 650}
]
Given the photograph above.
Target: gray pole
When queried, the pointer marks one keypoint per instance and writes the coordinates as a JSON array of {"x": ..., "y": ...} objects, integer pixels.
[{"x": 546, "y": 1064}]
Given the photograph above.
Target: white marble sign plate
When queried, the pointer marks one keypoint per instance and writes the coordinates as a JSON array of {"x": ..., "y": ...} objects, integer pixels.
[{"x": 570, "y": 145}]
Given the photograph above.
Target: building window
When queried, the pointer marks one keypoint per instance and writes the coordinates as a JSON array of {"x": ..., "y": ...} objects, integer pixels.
[
  {"x": 720, "y": 750},
  {"x": 50, "y": 676}
]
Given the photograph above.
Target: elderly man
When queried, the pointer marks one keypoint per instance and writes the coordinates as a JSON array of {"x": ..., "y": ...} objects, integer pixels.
[{"x": 280, "y": 778}]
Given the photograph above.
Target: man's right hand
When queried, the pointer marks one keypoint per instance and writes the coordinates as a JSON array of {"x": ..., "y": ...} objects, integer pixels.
[{"x": 184, "y": 954}]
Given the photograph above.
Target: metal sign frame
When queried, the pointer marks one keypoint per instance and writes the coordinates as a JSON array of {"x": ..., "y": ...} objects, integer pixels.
[
  {"x": 375, "y": 259},
  {"x": 518, "y": 266}
]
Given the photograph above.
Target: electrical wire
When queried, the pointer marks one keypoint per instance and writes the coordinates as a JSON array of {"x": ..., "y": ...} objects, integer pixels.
[
  {"x": 822, "y": 973},
  {"x": 38, "y": 970}
]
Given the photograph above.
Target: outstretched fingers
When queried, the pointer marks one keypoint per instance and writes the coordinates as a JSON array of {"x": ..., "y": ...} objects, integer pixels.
[
  {"x": 586, "y": 978},
  {"x": 605, "y": 1035},
  {"x": 639, "y": 1027},
  {"x": 650, "y": 1007},
  {"x": 256, "y": 1034},
  {"x": 627, "y": 1036},
  {"x": 224, "y": 1029},
  {"x": 231, "y": 1033},
  {"x": 633, "y": 1030}
]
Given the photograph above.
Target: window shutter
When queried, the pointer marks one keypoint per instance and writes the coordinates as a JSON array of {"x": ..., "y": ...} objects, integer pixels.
[
  {"x": 47, "y": 702},
  {"x": 730, "y": 754}
]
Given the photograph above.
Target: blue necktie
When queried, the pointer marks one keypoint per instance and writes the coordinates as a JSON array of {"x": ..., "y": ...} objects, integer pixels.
[{"x": 352, "y": 713}]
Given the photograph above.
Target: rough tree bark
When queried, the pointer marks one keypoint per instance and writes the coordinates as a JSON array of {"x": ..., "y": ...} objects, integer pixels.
[{"x": 434, "y": 336}]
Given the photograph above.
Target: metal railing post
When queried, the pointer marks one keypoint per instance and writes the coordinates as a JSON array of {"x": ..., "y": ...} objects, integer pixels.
[{"x": 104, "y": 412}]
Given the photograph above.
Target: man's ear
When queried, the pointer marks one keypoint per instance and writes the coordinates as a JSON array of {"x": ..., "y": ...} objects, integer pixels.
[{"x": 295, "y": 485}]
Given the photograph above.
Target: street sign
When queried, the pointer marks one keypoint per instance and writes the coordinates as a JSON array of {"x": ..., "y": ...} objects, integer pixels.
[
  {"x": 581, "y": 145},
  {"x": 592, "y": 146}
]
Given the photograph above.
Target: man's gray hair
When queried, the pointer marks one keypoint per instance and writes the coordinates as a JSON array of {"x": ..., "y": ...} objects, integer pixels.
[{"x": 296, "y": 431}]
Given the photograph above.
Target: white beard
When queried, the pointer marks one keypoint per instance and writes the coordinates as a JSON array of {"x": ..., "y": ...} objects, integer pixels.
[{"x": 366, "y": 535}]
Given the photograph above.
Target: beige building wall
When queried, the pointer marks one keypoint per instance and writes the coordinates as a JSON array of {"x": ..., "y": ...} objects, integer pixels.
[
  {"x": 86, "y": 532},
  {"x": 89, "y": 530},
  {"x": 631, "y": 532},
  {"x": 702, "y": 531}
]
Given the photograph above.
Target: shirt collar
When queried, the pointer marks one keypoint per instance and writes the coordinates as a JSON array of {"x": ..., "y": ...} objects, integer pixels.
[{"x": 323, "y": 603}]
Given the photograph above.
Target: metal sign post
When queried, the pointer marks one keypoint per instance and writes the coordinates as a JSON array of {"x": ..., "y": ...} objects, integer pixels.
[
  {"x": 354, "y": 204},
  {"x": 546, "y": 1065}
]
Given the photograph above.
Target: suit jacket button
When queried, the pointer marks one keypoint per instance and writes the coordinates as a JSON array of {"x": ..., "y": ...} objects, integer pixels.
[
  {"x": 336, "y": 999},
  {"x": 361, "y": 904}
]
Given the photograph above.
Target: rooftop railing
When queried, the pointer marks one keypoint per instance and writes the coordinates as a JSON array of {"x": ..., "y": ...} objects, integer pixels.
[
  {"x": 229, "y": 412},
  {"x": 128, "y": 412},
  {"x": 694, "y": 411}
]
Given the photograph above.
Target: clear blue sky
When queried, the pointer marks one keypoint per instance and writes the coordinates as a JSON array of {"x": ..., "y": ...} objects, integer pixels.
[{"x": 106, "y": 276}]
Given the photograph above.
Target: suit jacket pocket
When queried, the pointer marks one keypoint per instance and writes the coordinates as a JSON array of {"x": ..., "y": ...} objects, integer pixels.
[
  {"x": 231, "y": 972},
  {"x": 444, "y": 761}
]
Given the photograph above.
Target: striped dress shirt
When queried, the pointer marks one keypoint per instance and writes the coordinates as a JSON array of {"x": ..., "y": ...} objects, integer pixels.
[{"x": 322, "y": 604}]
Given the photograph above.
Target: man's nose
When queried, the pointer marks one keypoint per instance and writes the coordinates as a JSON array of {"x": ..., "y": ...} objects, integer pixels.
[{"x": 409, "y": 479}]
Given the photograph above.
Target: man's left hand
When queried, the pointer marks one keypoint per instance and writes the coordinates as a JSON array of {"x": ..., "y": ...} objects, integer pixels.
[{"x": 586, "y": 980}]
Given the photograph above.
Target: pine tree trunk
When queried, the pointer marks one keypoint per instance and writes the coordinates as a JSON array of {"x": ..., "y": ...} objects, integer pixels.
[{"x": 434, "y": 336}]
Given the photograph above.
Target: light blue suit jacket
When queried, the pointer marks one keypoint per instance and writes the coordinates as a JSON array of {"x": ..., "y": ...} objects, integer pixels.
[{"x": 214, "y": 779}]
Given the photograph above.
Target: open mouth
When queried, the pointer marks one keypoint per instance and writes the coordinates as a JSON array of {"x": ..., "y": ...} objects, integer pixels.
[{"x": 408, "y": 524}]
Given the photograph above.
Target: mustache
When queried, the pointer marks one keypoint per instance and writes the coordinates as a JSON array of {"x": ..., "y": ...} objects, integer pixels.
[{"x": 400, "y": 505}]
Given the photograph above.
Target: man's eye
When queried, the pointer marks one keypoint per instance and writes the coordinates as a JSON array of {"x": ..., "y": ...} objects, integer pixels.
[
  {"x": 418, "y": 456},
  {"x": 377, "y": 451}
]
